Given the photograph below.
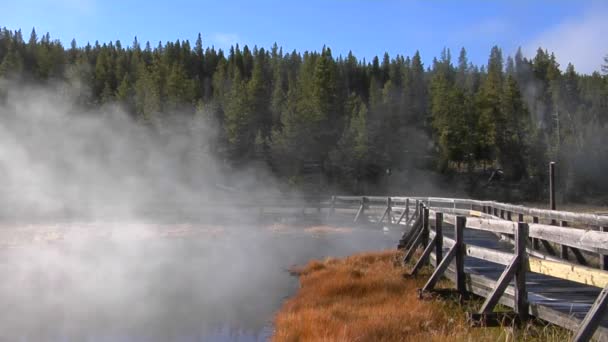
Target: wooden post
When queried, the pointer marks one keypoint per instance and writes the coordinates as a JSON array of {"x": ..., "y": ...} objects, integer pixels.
[
  {"x": 461, "y": 222},
  {"x": 407, "y": 209},
  {"x": 438, "y": 238},
  {"x": 535, "y": 241},
  {"x": 425, "y": 227},
  {"x": 604, "y": 258},
  {"x": 521, "y": 295},
  {"x": 563, "y": 248},
  {"x": 389, "y": 209},
  {"x": 552, "y": 185}
]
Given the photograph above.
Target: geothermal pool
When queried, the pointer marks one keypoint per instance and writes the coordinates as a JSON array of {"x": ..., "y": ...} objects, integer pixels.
[{"x": 148, "y": 282}]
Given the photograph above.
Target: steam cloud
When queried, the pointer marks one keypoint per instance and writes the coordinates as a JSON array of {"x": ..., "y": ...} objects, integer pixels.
[{"x": 108, "y": 186}]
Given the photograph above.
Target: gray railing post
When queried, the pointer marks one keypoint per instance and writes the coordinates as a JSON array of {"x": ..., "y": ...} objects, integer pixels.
[
  {"x": 425, "y": 227},
  {"x": 461, "y": 222},
  {"x": 603, "y": 257},
  {"x": 563, "y": 248},
  {"x": 438, "y": 238},
  {"x": 521, "y": 295},
  {"x": 407, "y": 209},
  {"x": 535, "y": 241},
  {"x": 389, "y": 209}
]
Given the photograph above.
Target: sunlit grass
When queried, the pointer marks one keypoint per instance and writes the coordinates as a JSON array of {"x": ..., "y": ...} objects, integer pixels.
[{"x": 366, "y": 297}]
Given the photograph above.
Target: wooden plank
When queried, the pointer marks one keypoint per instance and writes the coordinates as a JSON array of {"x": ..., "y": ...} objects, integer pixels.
[
  {"x": 439, "y": 270},
  {"x": 413, "y": 246},
  {"x": 568, "y": 271},
  {"x": 589, "y": 240},
  {"x": 592, "y": 319},
  {"x": 501, "y": 285},
  {"x": 491, "y": 225},
  {"x": 488, "y": 254},
  {"x": 424, "y": 257}
]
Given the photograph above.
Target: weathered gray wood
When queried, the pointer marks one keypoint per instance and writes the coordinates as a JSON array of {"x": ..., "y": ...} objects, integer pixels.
[
  {"x": 589, "y": 240},
  {"x": 360, "y": 211},
  {"x": 440, "y": 270},
  {"x": 501, "y": 285},
  {"x": 461, "y": 222},
  {"x": 425, "y": 227},
  {"x": 535, "y": 241},
  {"x": 488, "y": 254},
  {"x": 604, "y": 256},
  {"x": 590, "y": 219},
  {"x": 413, "y": 246},
  {"x": 424, "y": 257},
  {"x": 491, "y": 225},
  {"x": 438, "y": 238},
  {"x": 563, "y": 248},
  {"x": 552, "y": 185},
  {"x": 413, "y": 232},
  {"x": 404, "y": 214},
  {"x": 592, "y": 319},
  {"x": 521, "y": 295}
]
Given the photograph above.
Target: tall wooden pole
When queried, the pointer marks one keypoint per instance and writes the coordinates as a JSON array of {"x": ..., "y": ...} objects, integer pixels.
[{"x": 552, "y": 185}]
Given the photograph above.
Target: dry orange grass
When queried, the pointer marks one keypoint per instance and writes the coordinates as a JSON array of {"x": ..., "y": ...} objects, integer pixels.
[
  {"x": 365, "y": 297},
  {"x": 361, "y": 298}
]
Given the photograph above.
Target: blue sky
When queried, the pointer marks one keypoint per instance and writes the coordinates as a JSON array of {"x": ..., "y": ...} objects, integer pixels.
[{"x": 574, "y": 30}]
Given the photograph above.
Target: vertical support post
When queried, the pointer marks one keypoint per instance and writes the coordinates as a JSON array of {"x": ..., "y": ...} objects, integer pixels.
[
  {"x": 563, "y": 248},
  {"x": 535, "y": 241},
  {"x": 461, "y": 222},
  {"x": 521, "y": 295},
  {"x": 389, "y": 209},
  {"x": 407, "y": 209},
  {"x": 425, "y": 227},
  {"x": 604, "y": 258},
  {"x": 520, "y": 218},
  {"x": 552, "y": 185},
  {"x": 438, "y": 238}
]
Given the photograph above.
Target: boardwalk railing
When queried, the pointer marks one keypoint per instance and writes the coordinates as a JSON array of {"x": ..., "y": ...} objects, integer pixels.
[{"x": 515, "y": 243}]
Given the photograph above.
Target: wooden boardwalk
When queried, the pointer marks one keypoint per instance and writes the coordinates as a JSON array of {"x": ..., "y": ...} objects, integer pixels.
[{"x": 557, "y": 281}]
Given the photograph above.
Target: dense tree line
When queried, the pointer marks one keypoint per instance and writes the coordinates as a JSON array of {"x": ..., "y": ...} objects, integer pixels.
[{"x": 347, "y": 118}]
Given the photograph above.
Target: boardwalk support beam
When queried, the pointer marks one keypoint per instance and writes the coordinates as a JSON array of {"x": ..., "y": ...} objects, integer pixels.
[{"x": 593, "y": 318}]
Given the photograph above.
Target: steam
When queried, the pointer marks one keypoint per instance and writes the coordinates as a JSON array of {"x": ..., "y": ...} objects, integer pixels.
[
  {"x": 59, "y": 159},
  {"x": 89, "y": 201}
]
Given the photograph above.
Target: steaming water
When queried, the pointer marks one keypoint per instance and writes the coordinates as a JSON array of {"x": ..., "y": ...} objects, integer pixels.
[{"x": 218, "y": 286}]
